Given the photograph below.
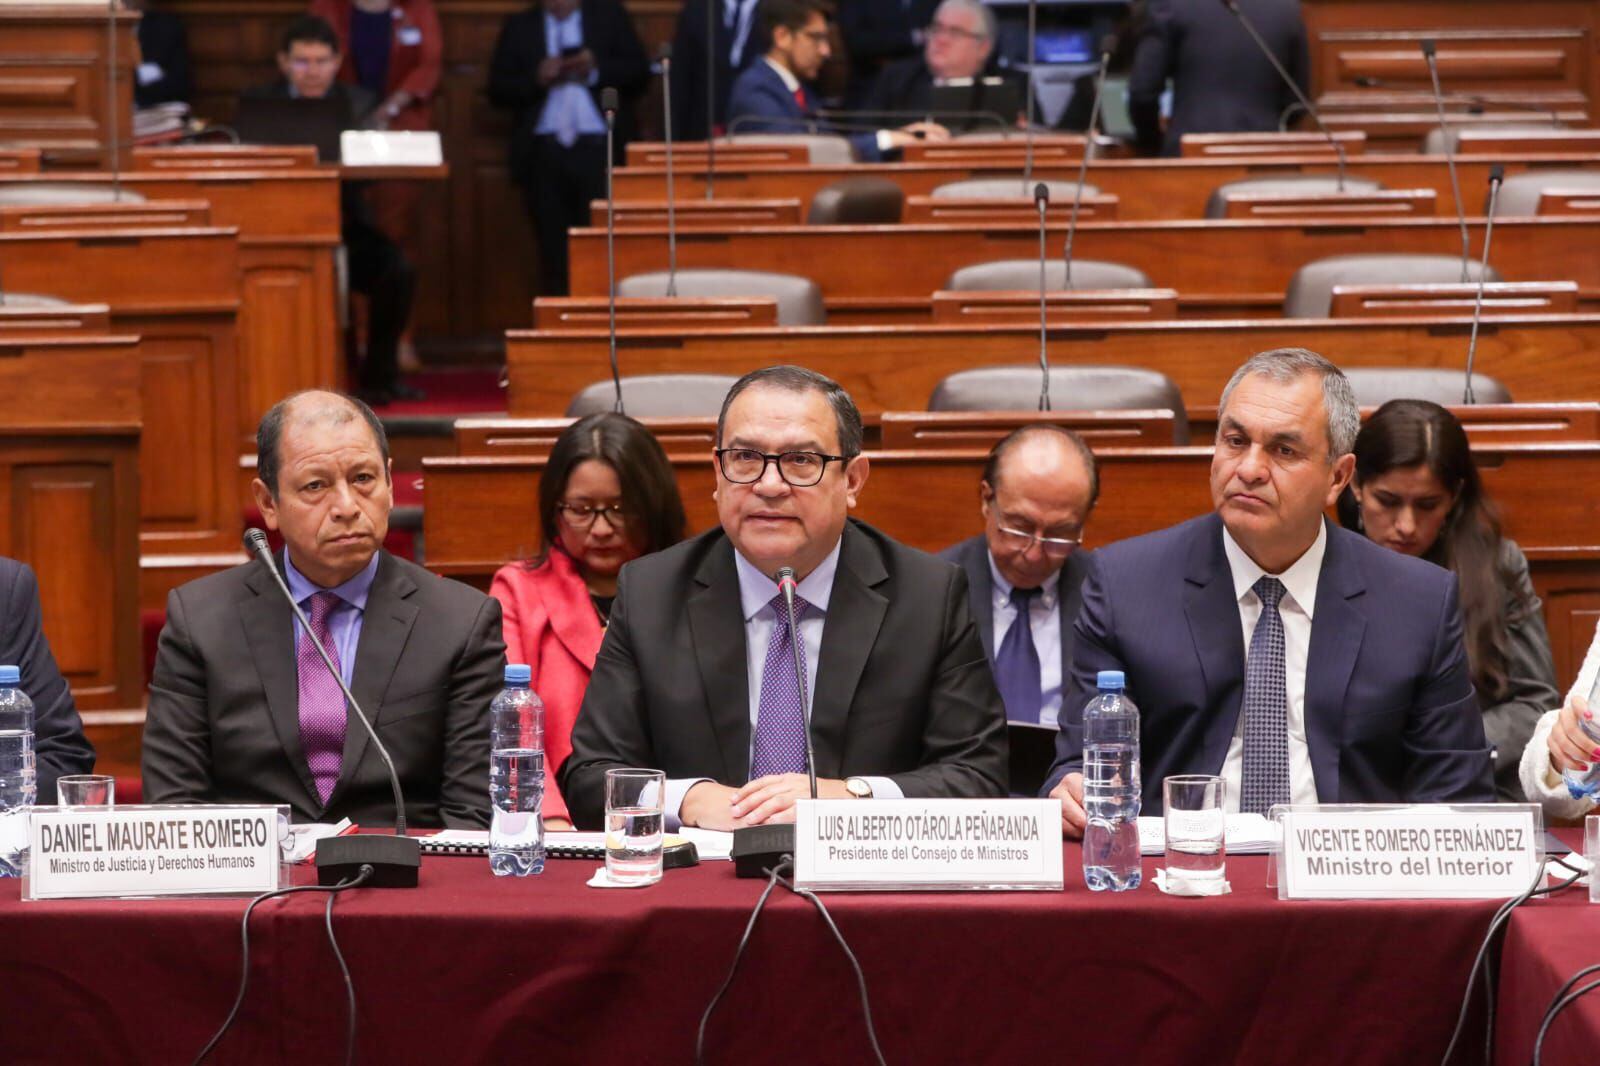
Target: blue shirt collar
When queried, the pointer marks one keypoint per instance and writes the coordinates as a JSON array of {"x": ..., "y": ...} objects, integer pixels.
[
  {"x": 757, "y": 589},
  {"x": 354, "y": 591}
]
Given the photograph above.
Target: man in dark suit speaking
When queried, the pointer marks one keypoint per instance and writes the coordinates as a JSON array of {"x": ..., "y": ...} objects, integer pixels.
[
  {"x": 1354, "y": 688},
  {"x": 244, "y": 710},
  {"x": 697, "y": 675}
]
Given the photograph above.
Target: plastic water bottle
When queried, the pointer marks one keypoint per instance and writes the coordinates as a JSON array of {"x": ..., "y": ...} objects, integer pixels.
[
  {"x": 516, "y": 777},
  {"x": 1583, "y": 784},
  {"x": 1111, "y": 795},
  {"x": 18, "y": 782}
]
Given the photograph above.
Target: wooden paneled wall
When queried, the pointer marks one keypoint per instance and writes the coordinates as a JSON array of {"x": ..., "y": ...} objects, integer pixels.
[{"x": 53, "y": 84}]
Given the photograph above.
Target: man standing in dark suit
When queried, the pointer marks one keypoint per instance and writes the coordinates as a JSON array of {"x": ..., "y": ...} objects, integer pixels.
[
  {"x": 549, "y": 66},
  {"x": 1354, "y": 688},
  {"x": 59, "y": 746},
  {"x": 697, "y": 676},
  {"x": 739, "y": 40},
  {"x": 1038, "y": 488},
  {"x": 774, "y": 96},
  {"x": 162, "y": 76},
  {"x": 242, "y": 707},
  {"x": 1221, "y": 83}
]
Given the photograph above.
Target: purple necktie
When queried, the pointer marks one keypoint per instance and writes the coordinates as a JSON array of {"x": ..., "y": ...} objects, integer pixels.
[
  {"x": 322, "y": 713},
  {"x": 781, "y": 717}
]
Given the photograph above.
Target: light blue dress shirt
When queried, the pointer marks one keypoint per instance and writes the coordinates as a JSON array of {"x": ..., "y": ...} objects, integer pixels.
[{"x": 345, "y": 622}]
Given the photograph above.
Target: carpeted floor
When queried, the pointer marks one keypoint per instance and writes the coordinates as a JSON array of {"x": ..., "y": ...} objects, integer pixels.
[{"x": 454, "y": 391}]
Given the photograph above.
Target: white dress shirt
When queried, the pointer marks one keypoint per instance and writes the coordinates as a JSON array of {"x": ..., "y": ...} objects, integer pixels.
[
  {"x": 1295, "y": 609},
  {"x": 1044, "y": 619},
  {"x": 756, "y": 591},
  {"x": 569, "y": 110}
]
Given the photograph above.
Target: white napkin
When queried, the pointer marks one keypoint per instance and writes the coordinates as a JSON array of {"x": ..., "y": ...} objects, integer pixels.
[
  {"x": 601, "y": 879},
  {"x": 1179, "y": 883}
]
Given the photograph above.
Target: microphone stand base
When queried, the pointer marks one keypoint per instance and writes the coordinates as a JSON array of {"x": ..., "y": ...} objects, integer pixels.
[
  {"x": 395, "y": 861},
  {"x": 757, "y": 849}
]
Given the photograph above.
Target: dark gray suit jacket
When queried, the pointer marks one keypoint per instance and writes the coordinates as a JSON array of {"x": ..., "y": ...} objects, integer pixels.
[
  {"x": 59, "y": 746},
  {"x": 223, "y": 724},
  {"x": 973, "y": 557},
  {"x": 903, "y": 689}
]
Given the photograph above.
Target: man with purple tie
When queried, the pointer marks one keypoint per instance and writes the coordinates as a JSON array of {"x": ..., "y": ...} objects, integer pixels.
[
  {"x": 697, "y": 675},
  {"x": 242, "y": 707}
]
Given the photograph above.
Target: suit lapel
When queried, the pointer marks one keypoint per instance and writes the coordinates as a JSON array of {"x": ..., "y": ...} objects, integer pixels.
[
  {"x": 1213, "y": 614},
  {"x": 980, "y": 586},
  {"x": 1337, "y": 629},
  {"x": 855, "y": 614},
  {"x": 269, "y": 630},
  {"x": 1069, "y": 597},
  {"x": 385, "y": 625},
  {"x": 716, "y": 630},
  {"x": 572, "y": 616}
]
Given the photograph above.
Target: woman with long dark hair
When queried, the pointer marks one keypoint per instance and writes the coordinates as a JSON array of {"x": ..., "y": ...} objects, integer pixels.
[
  {"x": 1416, "y": 491},
  {"x": 607, "y": 497}
]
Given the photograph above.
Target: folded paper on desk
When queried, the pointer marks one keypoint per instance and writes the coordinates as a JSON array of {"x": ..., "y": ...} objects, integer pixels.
[
  {"x": 302, "y": 843},
  {"x": 1248, "y": 834},
  {"x": 677, "y": 851}
]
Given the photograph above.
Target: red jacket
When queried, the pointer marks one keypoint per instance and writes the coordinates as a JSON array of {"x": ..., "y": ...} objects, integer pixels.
[
  {"x": 414, "y": 67},
  {"x": 551, "y": 624}
]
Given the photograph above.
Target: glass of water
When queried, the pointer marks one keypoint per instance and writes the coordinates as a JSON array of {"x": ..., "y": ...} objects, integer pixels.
[
  {"x": 1196, "y": 827},
  {"x": 86, "y": 790},
  {"x": 634, "y": 824}
]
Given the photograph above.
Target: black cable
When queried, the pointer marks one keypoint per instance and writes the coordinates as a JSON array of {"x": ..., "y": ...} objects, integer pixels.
[
  {"x": 861, "y": 977},
  {"x": 738, "y": 956},
  {"x": 244, "y": 938},
  {"x": 1559, "y": 1003},
  {"x": 344, "y": 970}
]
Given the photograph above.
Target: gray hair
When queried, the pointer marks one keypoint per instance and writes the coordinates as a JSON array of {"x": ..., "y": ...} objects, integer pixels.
[
  {"x": 1284, "y": 365},
  {"x": 800, "y": 379},
  {"x": 982, "y": 10}
]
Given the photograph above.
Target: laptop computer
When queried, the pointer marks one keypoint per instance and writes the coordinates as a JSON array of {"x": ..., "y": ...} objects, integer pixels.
[
  {"x": 287, "y": 120},
  {"x": 1033, "y": 751}
]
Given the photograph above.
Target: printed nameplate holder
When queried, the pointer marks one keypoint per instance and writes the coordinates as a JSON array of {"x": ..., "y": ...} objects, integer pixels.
[{"x": 928, "y": 844}]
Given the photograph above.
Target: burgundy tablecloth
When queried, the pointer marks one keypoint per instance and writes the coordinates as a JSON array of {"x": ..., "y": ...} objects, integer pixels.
[{"x": 473, "y": 968}]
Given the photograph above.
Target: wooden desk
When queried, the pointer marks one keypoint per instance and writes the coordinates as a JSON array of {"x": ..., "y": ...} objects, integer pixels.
[
  {"x": 55, "y": 94},
  {"x": 895, "y": 368},
  {"x": 888, "y": 273}
]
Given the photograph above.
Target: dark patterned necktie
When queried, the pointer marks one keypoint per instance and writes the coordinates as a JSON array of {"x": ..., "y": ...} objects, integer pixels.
[
  {"x": 322, "y": 711},
  {"x": 1016, "y": 664},
  {"x": 781, "y": 714},
  {"x": 1266, "y": 708}
]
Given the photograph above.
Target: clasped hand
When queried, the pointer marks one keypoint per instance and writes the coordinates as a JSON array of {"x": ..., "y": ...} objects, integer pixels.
[{"x": 709, "y": 805}]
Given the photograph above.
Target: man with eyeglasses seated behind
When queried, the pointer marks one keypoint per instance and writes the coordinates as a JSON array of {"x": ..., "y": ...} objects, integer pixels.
[
  {"x": 1038, "y": 488},
  {"x": 697, "y": 675}
]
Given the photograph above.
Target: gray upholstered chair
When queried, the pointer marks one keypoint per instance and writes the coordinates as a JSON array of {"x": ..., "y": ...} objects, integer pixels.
[
  {"x": 1009, "y": 189},
  {"x": 824, "y": 149},
  {"x": 27, "y": 301},
  {"x": 656, "y": 396},
  {"x": 1435, "y": 140},
  {"x": 1072, "y": 388},
  {"x": 1284, "y": 185},
  {"x": 1007, "y": 275},
  {"x": 37, "y": 193},
  {"x": 1519, "y": 194},
  {"x": 1375, "y": 385},
  {"x": 799, "y": 299},
  {"x": 1310, "y": 292},
  {"x": 862, "y": 201}
]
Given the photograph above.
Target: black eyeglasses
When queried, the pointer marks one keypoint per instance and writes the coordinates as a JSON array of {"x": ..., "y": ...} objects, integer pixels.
[
  {"x": 745, "y": 466},
  {"x": 582, "y": 516}
]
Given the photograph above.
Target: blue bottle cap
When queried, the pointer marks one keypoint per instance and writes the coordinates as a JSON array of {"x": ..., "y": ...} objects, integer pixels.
[
  {"x": 1110, "y": 681},
  {"x": 10, "y": 675},
  {"x": 518, "y": 674}
]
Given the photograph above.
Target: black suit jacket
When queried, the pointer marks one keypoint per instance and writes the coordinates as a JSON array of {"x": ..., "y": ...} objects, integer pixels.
[
  {"x": 973, "y": 558},
  {"x": 689, "y": 58},
  {"x": 907, "y": 86},
  {"x": 1221, "y": 83},
  {"x": 1391, "y": 715},
  {"x": 59, "y": 746},
  {"x": 162, "y": 42},
  {"x": 514, "y": 71},
  {"x": 223, "y": 724},
  {"x": 902, "y": 691},
  {"x": 878, "y": 32}
]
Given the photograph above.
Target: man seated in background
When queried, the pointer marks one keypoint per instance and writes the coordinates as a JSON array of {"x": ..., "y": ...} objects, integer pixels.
[
  {"x": 309, "y": 59},
  {"x": 242, "y": 707},
  {"x": 773, "y": 96},
  {"x": 959, "y": 44}
]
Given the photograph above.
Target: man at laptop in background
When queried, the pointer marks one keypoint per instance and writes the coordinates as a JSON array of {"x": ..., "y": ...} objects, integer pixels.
[{"x": 308, "y": 59}]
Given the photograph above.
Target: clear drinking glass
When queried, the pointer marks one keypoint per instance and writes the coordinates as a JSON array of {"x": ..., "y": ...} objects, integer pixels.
[
  {"x": 634, "y": 824},
  {"x": 1195, "y": 824},
  {"x": 86, "y": 790}
]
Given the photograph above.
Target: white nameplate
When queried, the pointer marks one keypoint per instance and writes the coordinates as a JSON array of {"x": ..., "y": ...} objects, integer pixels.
[
  {"x": 953, "y": 844},
  {"x": 111, "y": 852},
  {"x": 1443, "y": 852},
  {"x": 385, "y": 148}
]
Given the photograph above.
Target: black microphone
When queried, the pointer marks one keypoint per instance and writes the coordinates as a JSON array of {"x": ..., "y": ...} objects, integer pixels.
[
  {"x": 1041, "y": 199},
  {"x": 666, "y": 128},
  {"x": 608, "y": 105},
  {"x": 1294, "y": 87},
  {"x": 1429, "y": 55},
  {"x": 394, "y": 859},
  {"x": 711, "y": 96},
  {"x": 1497, "y": 174},
  {"x": 1106, "y": 48}
]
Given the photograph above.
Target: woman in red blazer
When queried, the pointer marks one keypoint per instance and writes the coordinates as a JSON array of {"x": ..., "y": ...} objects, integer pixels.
[
  {"x": 395, "y": 49},
  {"x": 607, "y": 496}
]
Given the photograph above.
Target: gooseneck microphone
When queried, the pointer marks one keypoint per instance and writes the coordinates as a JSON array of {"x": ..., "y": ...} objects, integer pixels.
[
  {"x": 394, "y": 859},
  {"x": 1033, "y": 55},
  {"x": 1106, "y": 48},
  {"x": 711, "y": 97},
  {"x": 1429, "y": 55},
  {"x": 1041, "y": 200},
  {"x": 666, "y": 129},
  {"x": 1294, "y": 86},
  {"x": 1497, "y": 174},
  {"x": 608, "y": 105}
]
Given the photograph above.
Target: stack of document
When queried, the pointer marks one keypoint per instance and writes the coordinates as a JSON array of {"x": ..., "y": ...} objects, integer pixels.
[{"x": 1248, "y": 834}]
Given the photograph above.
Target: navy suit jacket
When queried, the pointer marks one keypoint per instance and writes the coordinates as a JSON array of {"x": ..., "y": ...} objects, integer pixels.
[
  {"x": 762, "y": 103},
  {"x": 1391, "y": 715},
  {"x": 59, "y": 746}
]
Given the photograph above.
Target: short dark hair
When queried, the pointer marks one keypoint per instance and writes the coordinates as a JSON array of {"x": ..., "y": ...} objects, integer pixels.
[
  {"x": 269, "y": 433},
  {"x": 792, "y": 15},
  {"x": 308, "y": 29},
  {"x": 997, "y": 454},
  {"x": 799, "y": 379},
  {"x": 649, "y": 489}
]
